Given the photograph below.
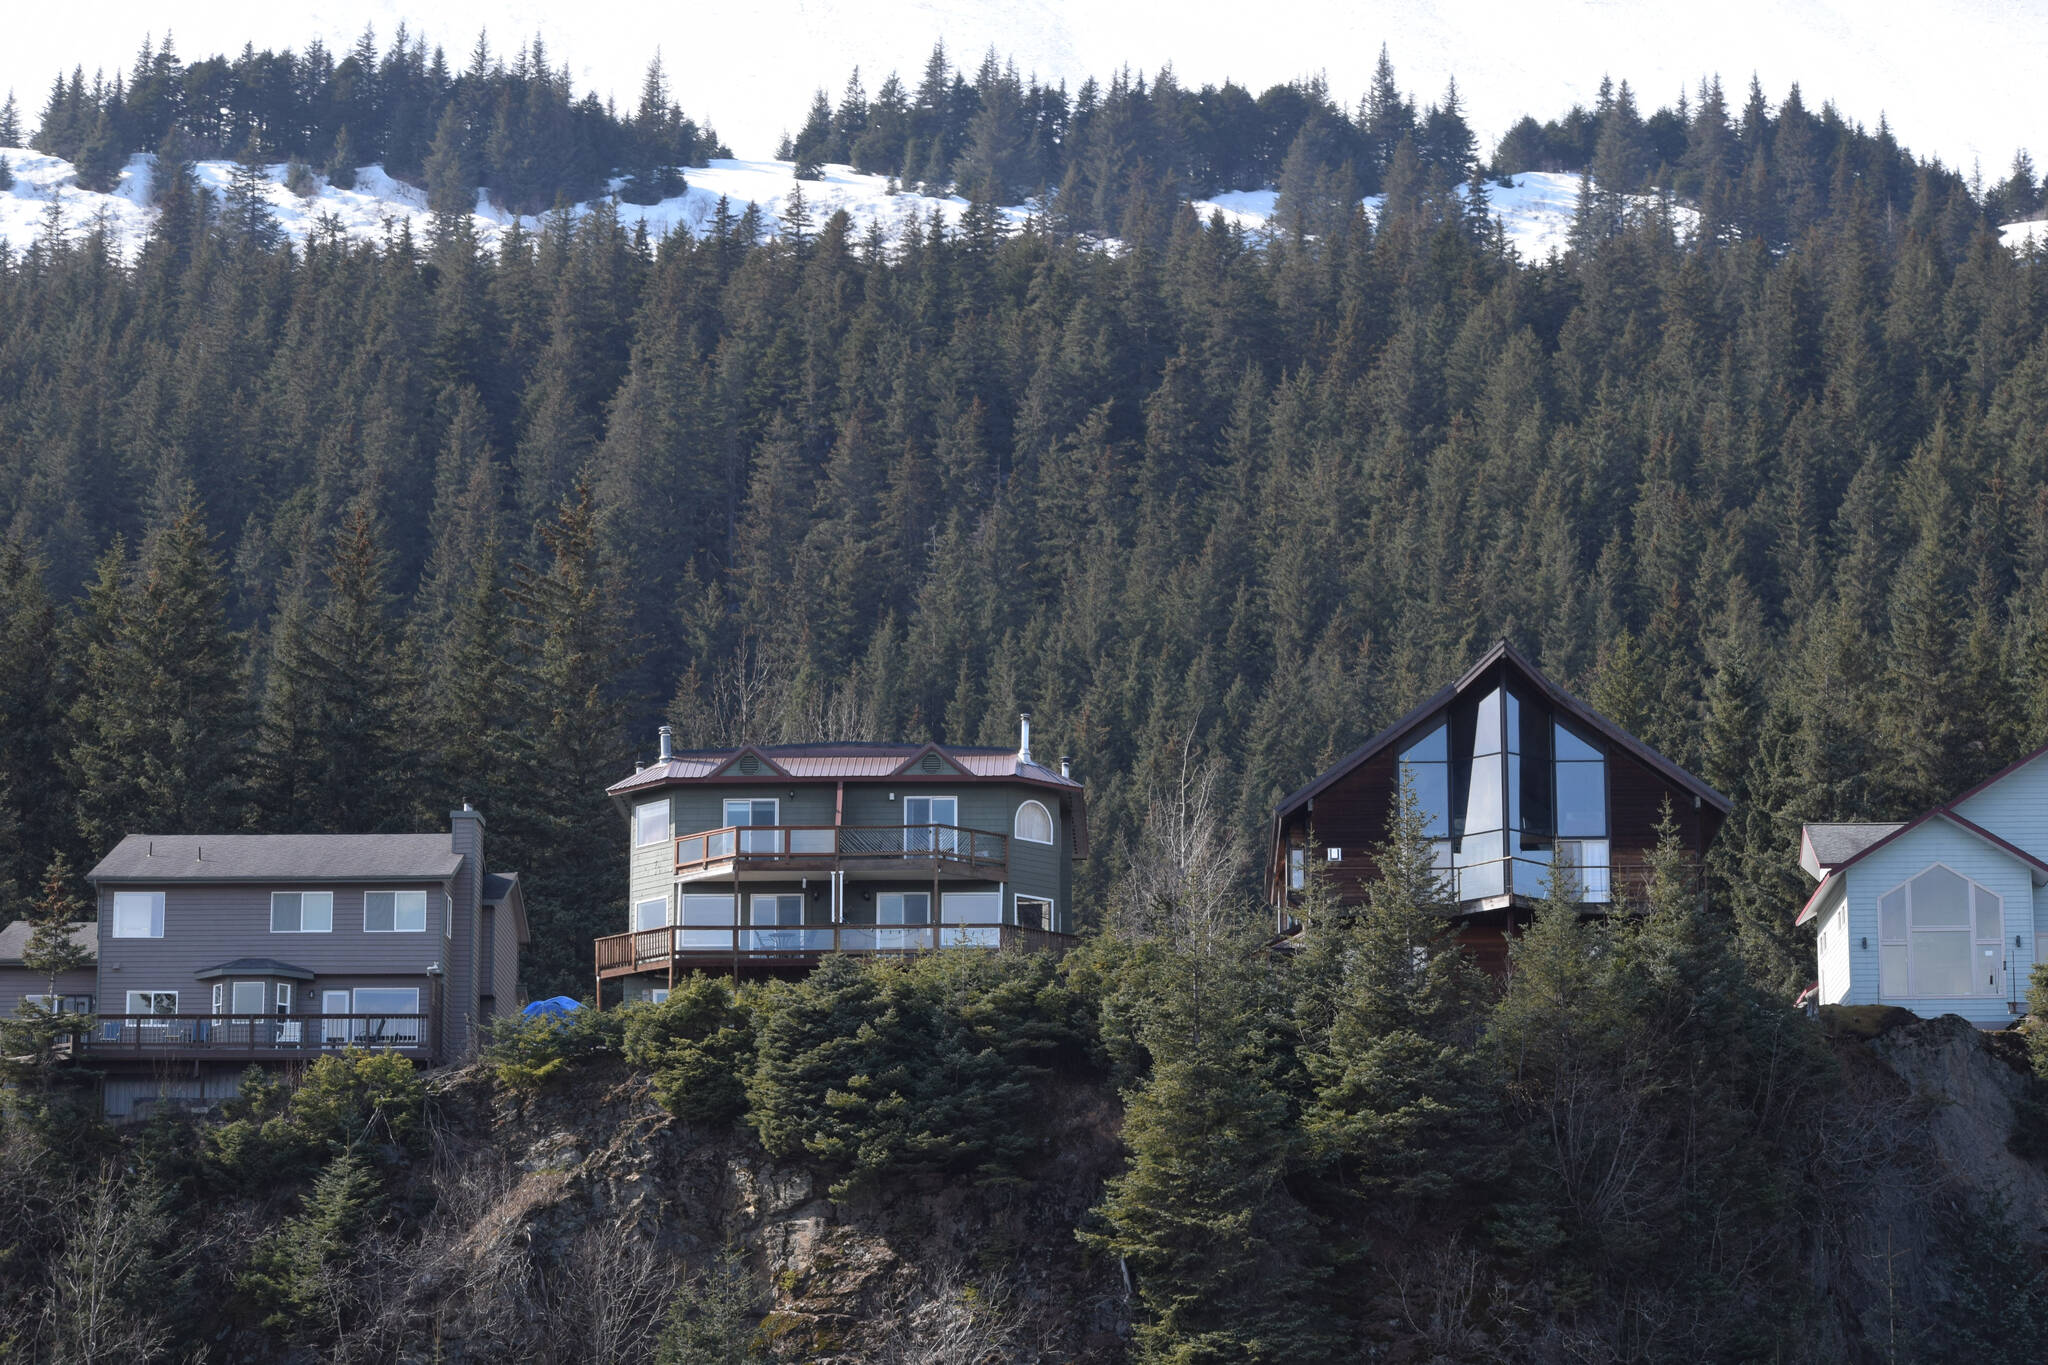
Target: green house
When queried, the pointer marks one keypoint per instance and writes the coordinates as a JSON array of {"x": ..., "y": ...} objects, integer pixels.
[{"x": 759, "y": 860}]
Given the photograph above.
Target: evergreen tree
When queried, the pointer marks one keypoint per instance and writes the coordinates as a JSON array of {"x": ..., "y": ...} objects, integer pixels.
[
  {"x": 10, "y": 123},
  {"x": 159, "y": 725},
  {"x": 246, "y": 215},
  {"x": 30, "y": 1042}
]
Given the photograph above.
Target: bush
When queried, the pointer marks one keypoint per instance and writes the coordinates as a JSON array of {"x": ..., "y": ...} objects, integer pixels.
[
  {"x": 300, "y": 180},
  {"x": 699, "y": 1043},
  {"x": 355, "y": 1096},
  {"x": 529, "y": 1054}
]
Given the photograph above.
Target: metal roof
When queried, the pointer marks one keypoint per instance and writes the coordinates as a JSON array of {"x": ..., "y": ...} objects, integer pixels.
[
  {"x": 14, "y": 940},
  {"x": 829, "y": 762},
  {"x": 278, "y": 858}
]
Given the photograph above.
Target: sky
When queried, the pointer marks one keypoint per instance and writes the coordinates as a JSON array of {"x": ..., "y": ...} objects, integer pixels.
[{"x": 1958, "y": 79}]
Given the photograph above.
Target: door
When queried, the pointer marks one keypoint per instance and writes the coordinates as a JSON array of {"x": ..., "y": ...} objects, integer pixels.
[
  {"x": 763, "y": 812},
  {"x": 776, "y": 910},
  {"x": 333, "y": 1030},
  {"x": 930, "y": 824}
]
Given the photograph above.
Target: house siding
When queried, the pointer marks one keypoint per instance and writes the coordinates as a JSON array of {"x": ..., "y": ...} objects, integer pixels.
[
  {"x": 1835, "y": 975},
  {"x": 1907, "y": 856},
  {"x": 465, "y": 922},
  {"x": 17, "y": 983},
  {"x": 505, "y": 960},
  {"x": 2015, "y": 808}
]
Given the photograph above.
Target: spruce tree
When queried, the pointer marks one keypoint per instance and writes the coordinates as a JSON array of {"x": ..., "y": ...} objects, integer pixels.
[
  {"x": 160, "y": 726},
  {"x": 31, "y": 1041},
  {"x": 361, "y": 753}
]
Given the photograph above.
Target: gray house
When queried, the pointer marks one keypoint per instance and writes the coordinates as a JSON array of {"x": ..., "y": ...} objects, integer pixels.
[
  {"x": 220, "y": 950},
  {"x": 759, "y": 860},
  {"x": 17, "y": 983}
]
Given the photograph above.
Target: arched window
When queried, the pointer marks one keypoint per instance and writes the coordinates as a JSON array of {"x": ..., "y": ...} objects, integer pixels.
[
  {"x": 1940, "y": 934},
  {"x": 1034, "y": 823}
]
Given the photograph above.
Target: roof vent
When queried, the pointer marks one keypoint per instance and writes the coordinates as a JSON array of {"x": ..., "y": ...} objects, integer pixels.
[
  {"x": 932, "y": 764},
  {"x": 748, "y": 764}
]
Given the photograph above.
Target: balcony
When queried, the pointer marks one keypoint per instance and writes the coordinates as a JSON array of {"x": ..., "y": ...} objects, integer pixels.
[
  {"x": 246, "y": 1038},
  {"x": 943, "y": 850},
  {"x": 728, "y": 947}
]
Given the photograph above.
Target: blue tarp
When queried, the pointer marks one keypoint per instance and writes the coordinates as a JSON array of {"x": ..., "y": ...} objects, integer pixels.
[{"x": 553, "y": 1007}]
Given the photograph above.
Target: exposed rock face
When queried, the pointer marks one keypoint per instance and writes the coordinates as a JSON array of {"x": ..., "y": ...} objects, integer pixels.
[{"x": 910, "y": 1275}]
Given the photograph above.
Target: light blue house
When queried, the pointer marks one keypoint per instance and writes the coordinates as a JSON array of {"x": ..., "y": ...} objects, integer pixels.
[{"x": 1941, "y": 914}]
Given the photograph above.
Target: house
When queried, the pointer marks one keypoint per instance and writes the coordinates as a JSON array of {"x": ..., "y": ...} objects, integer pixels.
[
  {"x": 220, "y": 950},
  {"x": 1516, "y": 778},
  {"x": 18, "y": 983},
  {"x": 1940, "y": 914},
  {"x": 759, "y": 860}
]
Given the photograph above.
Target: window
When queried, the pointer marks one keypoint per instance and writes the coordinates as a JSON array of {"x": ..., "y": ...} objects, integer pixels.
[
  {"x": 658, "y": 996},
  {"x": 284, "y": 998},
  {"x": 971, "y": 907},
  {"x": 651, "y": 913},
  {"x": 248, "y": 998},
  {"x": 383, "y": 1002},
  {"x": 60, "y": 1004},
  {"x": 1034, "y": 823},
  {"x": 152, "y": 1002},
  {"x": 1034, "y": 913},
  {"x": 776, "y": 909},
  {"x": 1297, "y": 868},
  {"x": 650, "y": 822},
  {"x": 395, "y": 912},
  {"x": 301, "y": 912},
  {"x": 138, "y": 914},
  {"x": 903, "y": 907},
  {"x": 1940, "y": 934},
  {"x": 707, "y": 922}
]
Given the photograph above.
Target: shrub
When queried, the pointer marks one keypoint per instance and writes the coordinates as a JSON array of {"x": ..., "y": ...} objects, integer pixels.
[
  {"x": 300, "y": 180},
  {"x": 529, "y": 1054},
  {"x": 356, "y": 1095},
  {"x": 699, "y": 1043}
]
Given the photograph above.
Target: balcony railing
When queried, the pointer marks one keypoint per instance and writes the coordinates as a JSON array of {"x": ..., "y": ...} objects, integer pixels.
[
  {"x": 654, "y": 949},
  {"x": 284, "y": 1036},
  {"x": 819, "y": 846}
]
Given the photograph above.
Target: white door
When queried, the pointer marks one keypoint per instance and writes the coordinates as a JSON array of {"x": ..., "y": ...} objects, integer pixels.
[
  {"x": 929, "y": 823},
  {"x": 335, "y": 1031}
]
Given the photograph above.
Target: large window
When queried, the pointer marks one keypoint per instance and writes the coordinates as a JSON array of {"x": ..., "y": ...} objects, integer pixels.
[
  {"x": 152, "y": 1002},
  {"x": 1510, "y": 795},
  {"x": 395, "y": 912},
  {"x": 1940, "y": 934},
  {"x": 930, "y": 824},
  {"x": 1036, "y": 913},
  {"x": 783, "y": 910},
  {"x": 138, "y": 914},
  {"x": 1034, "y": 823},
  {"x": 385, "y": 1005},
  {"x": 650, "y": 822},
  {"x": 651, "y": 913},
  {"x": 301, "y": 912},
  {"x": 747, "y": 812},
  {"x": 707, "y": 921}
]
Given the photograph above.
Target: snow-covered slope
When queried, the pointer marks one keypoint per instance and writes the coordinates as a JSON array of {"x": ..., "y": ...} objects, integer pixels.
[
  {"x": 379, "y": 204},
  {"x": 1536, "y": 213},
  {"x": 1960, "y": 79}
]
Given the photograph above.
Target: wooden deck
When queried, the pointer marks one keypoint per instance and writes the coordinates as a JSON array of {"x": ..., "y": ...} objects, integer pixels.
[
  {"x": 251, "y": 1038},
  {"x": 677, "y": 949},
  {"x": 893, "y": 850}
]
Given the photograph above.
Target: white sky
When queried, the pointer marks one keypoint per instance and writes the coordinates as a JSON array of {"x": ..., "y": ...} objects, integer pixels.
[{"x": 1961, "y": 79}]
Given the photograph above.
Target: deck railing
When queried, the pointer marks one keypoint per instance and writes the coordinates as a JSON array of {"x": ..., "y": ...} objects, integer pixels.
[
  {"x": 652, "y": 949},
  {"x": 283, "y": 1035},
  {"x": 772, "y": 846}
]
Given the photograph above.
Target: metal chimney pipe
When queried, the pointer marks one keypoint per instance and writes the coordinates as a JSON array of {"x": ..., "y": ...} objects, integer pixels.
[
  {"x": 1023, "y": 736},
  {"x": 668, "y": 743},
  {"x": 1064, "y": 772}
]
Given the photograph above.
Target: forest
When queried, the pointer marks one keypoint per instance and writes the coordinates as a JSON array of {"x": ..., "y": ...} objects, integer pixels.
[{"x": 336, "y": 537}]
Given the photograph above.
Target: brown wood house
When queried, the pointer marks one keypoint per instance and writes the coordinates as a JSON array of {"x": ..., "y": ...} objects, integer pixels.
[{"x": 1516, "y": 778}]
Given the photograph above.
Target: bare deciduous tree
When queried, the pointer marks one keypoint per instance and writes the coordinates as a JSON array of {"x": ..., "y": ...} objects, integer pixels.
[{"x": 98, "y": 1310}]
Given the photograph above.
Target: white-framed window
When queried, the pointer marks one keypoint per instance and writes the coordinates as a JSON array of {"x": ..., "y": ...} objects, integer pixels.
[
  {"x": 1034, "y": 823},
  {"x": 1037, "y": 912},
  {"x": 971, "y": 907},
  {"x": 1333, "y": 855},
  {"x": 707, "y": 921},
  {"x": 60, "y": 1004},
  {"x": 903, "y": 907},
  {"x": 764, "y": 810},
  {"x": 302, "y": 912},
  {"x": 388, "y": 1001},
  {"x": 138, "y": 914},
  {"x": 1940, "y": 934},
  {"x": 220, "y": 997},
  {"x": 247, "y": 998},
  {"x": 284, "y": 998},
  {"x": 395, "y": 912},
  {"x": 152, "y": 1002},
  {"x": 651, "y": 913},
  {"x": 658, "y": 996},
  {"x": 650, "y": 822}
]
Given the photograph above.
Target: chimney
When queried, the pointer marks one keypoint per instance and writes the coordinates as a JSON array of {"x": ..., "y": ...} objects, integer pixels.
[
  {"x": 1064, "y": 772},
  {"x": 1023, "y": 736},
  {"x": 668, "y": 743}
]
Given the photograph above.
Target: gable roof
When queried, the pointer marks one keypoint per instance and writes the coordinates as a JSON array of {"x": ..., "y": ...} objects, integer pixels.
[
  {"x": 502, "y": 888},
  {"x": 1833, "y": 874},
  {"x": 278, "y": 858},
  {"x": 1822, "y": 847},
  {"x": 1557, "y": 696},
  {"x": 14, "y": 940}
]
